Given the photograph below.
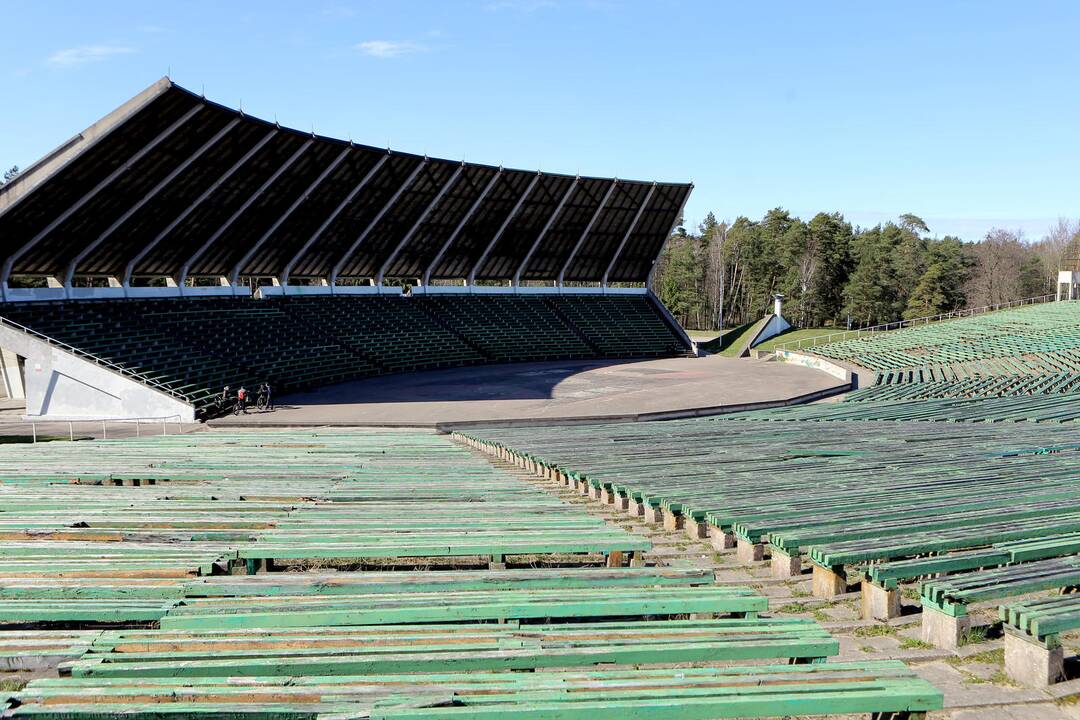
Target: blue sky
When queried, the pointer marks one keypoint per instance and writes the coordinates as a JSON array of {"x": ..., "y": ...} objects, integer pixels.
[{"x": 965, "y": 113}]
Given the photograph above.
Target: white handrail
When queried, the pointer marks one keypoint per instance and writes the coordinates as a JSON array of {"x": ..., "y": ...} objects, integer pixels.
[
  {"x": 35, "y": 420},
  {"x": 901, "y": 324}
]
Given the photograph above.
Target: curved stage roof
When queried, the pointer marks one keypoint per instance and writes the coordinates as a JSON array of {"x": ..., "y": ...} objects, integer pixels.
[{"x": 170, "y": 184}]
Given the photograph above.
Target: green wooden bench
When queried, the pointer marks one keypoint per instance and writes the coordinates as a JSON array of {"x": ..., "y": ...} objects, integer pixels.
[
  {"x": 1034, "y": 654},
  {"x": 433, "y": 607},
  {"x": 881, "y": 581},
  {"x": 884, "y": 689},
  {"x": 945, "y": 601},
  {"x": 320, "y": 651}
]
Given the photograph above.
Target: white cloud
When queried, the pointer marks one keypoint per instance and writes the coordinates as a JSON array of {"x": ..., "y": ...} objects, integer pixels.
[
  {"x": 389, "y": 48},
  {"x": 71, "y": 57}
]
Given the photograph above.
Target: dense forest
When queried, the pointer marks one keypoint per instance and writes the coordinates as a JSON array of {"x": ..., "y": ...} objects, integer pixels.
[{"x": 834, "y": 274}]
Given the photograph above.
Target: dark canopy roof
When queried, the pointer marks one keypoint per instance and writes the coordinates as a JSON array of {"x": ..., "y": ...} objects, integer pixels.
[{"x": 171, "y": 184}]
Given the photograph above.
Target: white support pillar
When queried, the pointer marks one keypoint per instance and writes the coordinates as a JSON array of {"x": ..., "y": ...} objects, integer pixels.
[
  {"x": 9, "y": 263},
  {"x": 375, "y": 221},
  {"x": 326, "y": 223},
  {"x": 126, "y": 279},
  {"x": 181, "y": 277},
  {"x": 626, "y": 236},
  {"x": 235, "y": 272},
  {"x": 587, "y": 230},
  {"x": 145, "y": 199},
  {"x": 547, "y": 226},
  {"x": 457, "y": 230},
  {"x": 502, "y": 229},
  {"x": 419, "y": 221}
]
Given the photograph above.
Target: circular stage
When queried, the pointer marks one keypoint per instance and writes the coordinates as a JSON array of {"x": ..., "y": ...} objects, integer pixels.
[{"x": 550, "y": 393}]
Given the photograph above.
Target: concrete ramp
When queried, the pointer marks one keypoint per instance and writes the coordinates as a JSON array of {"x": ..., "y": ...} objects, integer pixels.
[{"x": 60, "y": 384}]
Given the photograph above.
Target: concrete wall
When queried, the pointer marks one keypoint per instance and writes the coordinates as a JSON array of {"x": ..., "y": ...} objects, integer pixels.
[
  {"x": 62, "y": 385},
  {"x": 817, "y": 363},
  {"x": 775, "y": 325}
]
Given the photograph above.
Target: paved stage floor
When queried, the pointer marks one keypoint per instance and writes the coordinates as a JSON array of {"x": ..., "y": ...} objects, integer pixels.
[{"x": 544, "y": 391}]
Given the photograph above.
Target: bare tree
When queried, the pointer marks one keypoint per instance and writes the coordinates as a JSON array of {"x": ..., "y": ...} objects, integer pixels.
[
  {"x": 995, "y": 276},
  {"x": 714, "y": 276}
]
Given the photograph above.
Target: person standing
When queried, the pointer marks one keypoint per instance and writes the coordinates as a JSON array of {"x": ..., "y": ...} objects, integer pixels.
[{"x": 241, "y": 399}]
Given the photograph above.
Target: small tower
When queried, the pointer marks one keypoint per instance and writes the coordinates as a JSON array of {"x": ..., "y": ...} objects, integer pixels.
[
  {"x": 1068, "y": 282},
  {"x": 778, "y": 302}
]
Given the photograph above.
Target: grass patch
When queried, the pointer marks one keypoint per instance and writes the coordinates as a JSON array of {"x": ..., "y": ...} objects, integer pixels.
[
  {"x": 12, "y": 684},
  {"x": 795, "y": 335},
  {"x": 997, "y": 678},
  {"x": 880, "y": 630},
  {"x": 729, "y": 341},
  {"x": 19, "y": 439},
  {"x": 795, "y": 607},
  {"x": 910, "y": 593},
  {"x": 974, "y": 635},
  {"x": 868, "y": 649},
  {"x": 821, "y": 616},
  {"x": 990, "y": 657},
  {"x": 910, "y": 643}
]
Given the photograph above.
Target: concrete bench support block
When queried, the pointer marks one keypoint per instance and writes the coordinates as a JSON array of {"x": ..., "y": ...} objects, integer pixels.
[
  {"x": 942, "y": 630},
  {"x": 1030, "y": 662},
  {"x": 721, "y": 540},
  {"x": 672, "y": 521},
  {"x": 784, "y": 565},
  {"x": 696, "y": 529},
  {"x": 828, "y": 583},
  {"x": 879, "y": 603},
  {"x": 749, "y": 552}
]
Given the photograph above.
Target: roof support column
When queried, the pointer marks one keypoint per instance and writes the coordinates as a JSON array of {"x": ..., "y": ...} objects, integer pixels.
[
  {"x": 9, "y": 263},
  {"x": 181, "y": 278},
  {"x": 145, "y": 199},
  {"x": 547, "y": 226},
  {"x": 235, "y": 272},
  {"x": 587, "y": 230},
  {"x": 502, "y": 229},
  {"x": 375, "y": 221},
  {"x": 419, "y": 221},
  {"x": 126, "y": 279},
  {"x": 629, "y": 231},
  {"x": 460, "y": 226},
  {"x": 284, "y": 279}
]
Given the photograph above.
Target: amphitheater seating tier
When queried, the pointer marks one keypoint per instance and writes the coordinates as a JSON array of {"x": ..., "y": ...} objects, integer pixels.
[{"x": 194, "y": 347}]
